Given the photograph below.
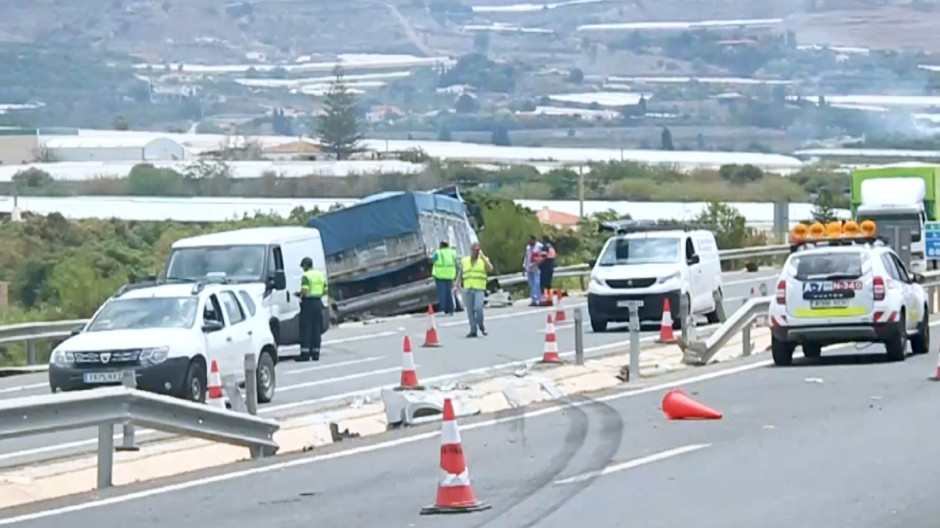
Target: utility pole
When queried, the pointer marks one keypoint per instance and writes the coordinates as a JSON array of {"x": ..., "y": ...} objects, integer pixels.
[{"x": 581, "y": 189}]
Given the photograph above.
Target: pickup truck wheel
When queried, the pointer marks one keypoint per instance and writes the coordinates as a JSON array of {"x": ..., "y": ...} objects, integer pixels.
[
  {"x": 896, "y": 345},
  {"x": 812, "y": 350},
  {"x": 782, "y": 352},
  {"x": 920, "y": 342},
  {"x": 194, "y": 384},
  {"x": 267, "y": 380}
]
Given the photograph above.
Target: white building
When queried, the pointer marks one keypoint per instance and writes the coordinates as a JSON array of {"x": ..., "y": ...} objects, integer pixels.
[{"x": 120, "y": 148}]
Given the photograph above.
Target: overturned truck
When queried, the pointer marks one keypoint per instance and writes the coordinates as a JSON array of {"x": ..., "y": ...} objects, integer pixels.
[{"x": 377, "y": 251}]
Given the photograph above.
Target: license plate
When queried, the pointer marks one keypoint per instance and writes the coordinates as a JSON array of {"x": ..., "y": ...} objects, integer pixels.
[
  {"x": 624, "y": 304},
  {"x": 102, "y": 377},
  {"x": 829, "y": 303}
]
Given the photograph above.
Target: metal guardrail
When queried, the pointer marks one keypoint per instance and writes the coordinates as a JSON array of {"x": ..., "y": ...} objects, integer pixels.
[
  {"x": 106, "y": 407},
  {"x": 579, "y": 270},
  {"x": 700, "y": 352}
]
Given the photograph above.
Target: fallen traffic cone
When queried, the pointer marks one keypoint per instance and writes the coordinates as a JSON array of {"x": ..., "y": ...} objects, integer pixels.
[
  {"x": 430, "y": 337},
  {"x": 559, "y": 312},
  {"x": 214, "y": 387},
  {"x": 550, "y": 352},
  {"x": 454, "y": 492},
  {"x": 409, "y": 376},
  {"x": 679, "y": 406},
  {"x": 665, "y": 326}
]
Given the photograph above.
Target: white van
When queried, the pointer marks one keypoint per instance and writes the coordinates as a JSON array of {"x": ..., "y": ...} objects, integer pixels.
[
  {"x": 266, "y": 261},
  {"x": 653, "y": 266}
]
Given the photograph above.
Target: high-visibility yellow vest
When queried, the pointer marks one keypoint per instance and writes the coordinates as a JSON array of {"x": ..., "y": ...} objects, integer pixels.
[
  {"x": 314, "y": 281},
  {"x": 445, "y": 268},
  {"x": 474, "y": 273}
]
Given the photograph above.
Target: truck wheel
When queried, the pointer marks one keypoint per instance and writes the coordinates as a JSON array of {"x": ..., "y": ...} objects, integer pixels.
[
  {"x": 896, "y": 345},
  {"x": 782, "y": 352},
  {"x": 267, "y": 380}
]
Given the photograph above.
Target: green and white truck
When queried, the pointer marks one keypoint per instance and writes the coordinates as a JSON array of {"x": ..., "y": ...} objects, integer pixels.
[{"x": 905, "y": 196}]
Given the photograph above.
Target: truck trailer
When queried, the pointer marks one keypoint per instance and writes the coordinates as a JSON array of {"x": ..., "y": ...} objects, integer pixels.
[{"x": 377, "y": 251}]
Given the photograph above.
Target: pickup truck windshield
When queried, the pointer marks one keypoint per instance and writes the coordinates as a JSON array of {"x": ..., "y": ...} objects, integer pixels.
[
  {"x": 239, "y": 263},
  {"x": 149, "y": 312}
]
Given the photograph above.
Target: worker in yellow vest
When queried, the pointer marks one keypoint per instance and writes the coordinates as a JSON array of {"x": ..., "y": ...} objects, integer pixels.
[
  {"x": 444, "y": 273},
  {"x": 473, "y": 270},
  {"x": 312, "y": 289}
]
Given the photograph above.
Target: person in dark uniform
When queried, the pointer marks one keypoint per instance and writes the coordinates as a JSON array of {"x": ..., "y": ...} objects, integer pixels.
[{"x": 312, "y": 289}]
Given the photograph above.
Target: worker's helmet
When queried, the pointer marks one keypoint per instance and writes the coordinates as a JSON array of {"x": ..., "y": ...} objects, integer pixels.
[{"x": 306, "y": 263}]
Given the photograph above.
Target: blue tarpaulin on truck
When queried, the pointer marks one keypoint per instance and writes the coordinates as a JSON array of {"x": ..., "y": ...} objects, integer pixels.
[{"x": 387, "y": 215}]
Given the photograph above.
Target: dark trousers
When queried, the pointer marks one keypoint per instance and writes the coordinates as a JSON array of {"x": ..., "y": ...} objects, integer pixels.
[
  {"x": 546, "y": 271},
  {"x": 311, "y": 326},
  {"x": 445, "y": 295}
]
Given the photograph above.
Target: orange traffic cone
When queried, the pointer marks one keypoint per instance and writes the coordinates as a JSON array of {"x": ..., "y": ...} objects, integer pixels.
[
  {"x": 550, "y": 352},
  {"x": 559, "y": 312},
  {"x": 679, "y": 406},
  {"x": 430, "y": 337},
  {"x": 454, "y": 492},
  {"x": 665, "y": 327},
  {"x": 409, "y": 376},
  {"x": 214, "y": 387}
]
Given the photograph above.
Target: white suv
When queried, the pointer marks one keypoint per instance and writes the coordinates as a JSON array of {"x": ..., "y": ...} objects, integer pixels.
[
  {"x": 168, "y": 334},
  {"x": 844, "y": 291}
]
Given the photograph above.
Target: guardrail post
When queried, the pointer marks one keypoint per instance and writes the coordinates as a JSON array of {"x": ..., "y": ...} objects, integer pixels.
[
  {"x": 251, "y": 394},
  {"x": 30, "y": 352},
  {"x": 578, "y": 336},
  {"x": 635, "y": 340},
  {"x": 129, "y": 380},
  {"x": 105, "y": 455},
  {"x": 746, "y": 347}
]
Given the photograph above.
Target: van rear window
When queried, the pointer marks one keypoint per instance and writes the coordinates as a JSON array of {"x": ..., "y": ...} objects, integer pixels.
[{"x": 828, "y": 266}]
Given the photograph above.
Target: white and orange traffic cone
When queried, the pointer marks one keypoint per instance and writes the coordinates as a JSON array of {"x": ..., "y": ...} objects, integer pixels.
[
  {"x": 665, "y": 326},
  {"x": 214, "y": 387},
  {"x": 559, "y": 311},
  {"x": 454, "y": 492},
  {"x": 550, "y": 352},
  {"x": 409, "y": 375},
  {"x": 430, "y": 337}
]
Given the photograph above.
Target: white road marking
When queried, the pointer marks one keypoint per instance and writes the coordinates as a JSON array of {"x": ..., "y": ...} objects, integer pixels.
[
  {"x": 298, "y": 462},
  {"x": 334, "y": 365},
  {"x": 327, "y": 381},
  {"x": 750, "y": 281},
  {"x": 656, "y": 457},
  {"x": 24, "y": 387},
  {"x": 357, "y": 338}
]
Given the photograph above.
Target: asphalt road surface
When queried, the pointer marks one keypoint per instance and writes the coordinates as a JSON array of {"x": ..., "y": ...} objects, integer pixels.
[
  {"x": 362, "y": 358},
  {"x": 843, "y": 441}
]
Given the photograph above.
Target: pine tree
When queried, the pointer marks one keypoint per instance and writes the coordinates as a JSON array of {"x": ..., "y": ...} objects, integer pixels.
[{"x": 338, "y": 128}]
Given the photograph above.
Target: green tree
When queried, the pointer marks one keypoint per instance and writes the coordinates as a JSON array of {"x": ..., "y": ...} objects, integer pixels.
[
  {"x": 666, "y": 140},
  {"x": 576, "y": 76},
  {"x": 823, "y": 207},
  {"x": 338, "y": 127}
]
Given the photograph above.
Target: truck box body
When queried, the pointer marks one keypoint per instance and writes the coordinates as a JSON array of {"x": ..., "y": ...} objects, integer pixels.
[
  {"x": 377, "y": 250},
  {"x": 928, "y": 173}
]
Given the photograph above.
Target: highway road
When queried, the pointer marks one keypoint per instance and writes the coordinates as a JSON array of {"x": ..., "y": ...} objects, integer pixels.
[
  {"x": 361, "y": 358},
  {"x": 844, "y": 441}
]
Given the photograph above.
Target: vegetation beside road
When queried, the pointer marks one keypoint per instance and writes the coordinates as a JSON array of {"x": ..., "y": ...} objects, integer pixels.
[
  {"x": 64, "y": 269},
  {"x": 608, "y": 181}
]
